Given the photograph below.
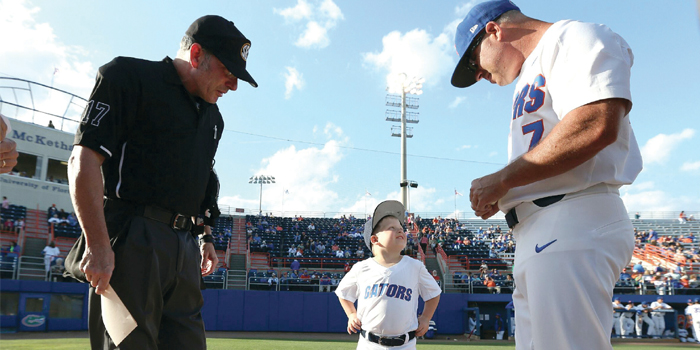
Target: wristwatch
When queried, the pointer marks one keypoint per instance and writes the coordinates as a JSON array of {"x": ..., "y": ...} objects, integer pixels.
[{"x": 206, "y": 238}]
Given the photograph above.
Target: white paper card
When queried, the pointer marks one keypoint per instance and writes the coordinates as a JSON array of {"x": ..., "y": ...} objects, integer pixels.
[{"x": 117, "y": 319}]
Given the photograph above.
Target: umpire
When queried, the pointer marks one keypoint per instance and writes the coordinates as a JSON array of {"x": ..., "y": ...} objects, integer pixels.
[{"x": 142, "y": 161}]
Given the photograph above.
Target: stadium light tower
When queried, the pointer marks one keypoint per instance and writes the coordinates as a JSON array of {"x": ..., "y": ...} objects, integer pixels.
[
  {"x": 402, "y": 85},
  {"x": 262, "y": 180}
]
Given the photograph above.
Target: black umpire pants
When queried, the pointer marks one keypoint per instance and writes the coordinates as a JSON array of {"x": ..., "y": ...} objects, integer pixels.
[{"x": 157, "y": 276}]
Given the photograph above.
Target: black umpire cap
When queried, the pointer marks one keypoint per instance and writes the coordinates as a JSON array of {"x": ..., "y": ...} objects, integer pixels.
[{"x": 221, "y": 37}]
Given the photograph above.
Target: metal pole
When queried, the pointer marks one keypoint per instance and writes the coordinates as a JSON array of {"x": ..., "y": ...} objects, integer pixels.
[
  {"x": 404, "y": 190},
  {"x": 260, "y": 207}
]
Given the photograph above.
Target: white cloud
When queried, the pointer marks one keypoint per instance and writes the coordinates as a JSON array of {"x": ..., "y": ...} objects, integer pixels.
[
  {"x": 493, "y": 154},
  {"x": 40, "y": 52},
  {"x": 644, "y": 196},
  {"x": 301, "y": 11},
  {"x": 458, "y": 100},
  {"x": 316, "y": 18},
  {"x": 690, "y": 166},
  {"x": 463, "y": 147},
  {"x": 314, "y": 34},
  {"x": 415, "y": 53},
  {"x": 292, "y": 80},
  {"x": 659, "y": 147},
  {"x": 308, "y": 174}
]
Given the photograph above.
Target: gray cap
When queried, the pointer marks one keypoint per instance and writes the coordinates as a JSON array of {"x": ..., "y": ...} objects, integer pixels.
[{"x": 384, "y": 209}]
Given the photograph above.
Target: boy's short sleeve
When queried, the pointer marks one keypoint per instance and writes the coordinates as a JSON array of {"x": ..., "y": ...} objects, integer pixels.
[
  {"x": 347, "y": 288},
  {"x": 427, "y": 285}
]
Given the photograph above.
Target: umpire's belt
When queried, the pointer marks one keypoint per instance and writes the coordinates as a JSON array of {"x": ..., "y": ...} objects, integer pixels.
[
  {"x": 523, "y": 210},
  {"x": 388, "y": 341},
  {"x": 174, "y": 220}
]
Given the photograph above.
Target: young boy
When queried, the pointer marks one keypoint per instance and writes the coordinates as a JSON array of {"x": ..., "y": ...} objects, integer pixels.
[{"x": 387, "y": 286}]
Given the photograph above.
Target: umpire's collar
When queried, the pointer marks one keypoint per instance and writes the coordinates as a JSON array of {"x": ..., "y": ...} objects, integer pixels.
[
  {"x": 170, "y": 76},
  {"x": 170, "y": 73}
]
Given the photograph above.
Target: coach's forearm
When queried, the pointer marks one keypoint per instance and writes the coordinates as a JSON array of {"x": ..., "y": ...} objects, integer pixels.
[
  {"x": 583, "y": 133},
  {"x": 430, "y": 307},
  {"x": 348, "y": 306}
]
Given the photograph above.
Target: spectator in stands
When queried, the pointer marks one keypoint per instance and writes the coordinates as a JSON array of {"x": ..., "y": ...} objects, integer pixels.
[
  {"x": 19, "y": 225},
  {"x": 624, "y": 276},
  {"x": 436, "y": 277},
  {"x": 299, "y": 253},
  {"x": 292, "y": 251},
  {"x": 638, "y": 268},
  {"x": 432, "y": 242},
  {"x": 311, "y": 227},
  {"x": 681, "y": 218},
  {"x": 72, "y": 220},
  {"x": 484, "y": 268},
  {"x": 295, "y": 266},
  {"x": 273, "y": 281},
  {"x": 347, "y": 267},
  {"x": 335, "y": 247},
  {"x": 50, "y": 253},
  {"x": 12, "y": 248},
  {"x": 324, "y": 283},
  {"x": 360, "y": 254},
  {"x": 408, "y": 250},
  {"x": 637, "y": 216},
  {"x": 653, "y": 236},
  {"x": 51, "y": 211},
  {"x": 491, "y": 285},
  {"x": 8, "y": 225},
  {"x": 5, "y": 204},
  {"x": 424, "y": 242},
  {"x": 339, "y": 253}
]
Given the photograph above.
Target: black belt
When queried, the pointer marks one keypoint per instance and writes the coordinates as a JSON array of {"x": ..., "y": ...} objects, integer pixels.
[
  {"x": 512, "y": 217},
  {"x": 174, "y": 220},
  {"x": 388, "y": 341}
]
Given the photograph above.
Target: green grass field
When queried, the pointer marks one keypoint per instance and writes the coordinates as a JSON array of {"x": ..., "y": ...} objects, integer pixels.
[{"x": 258, "y": 344}]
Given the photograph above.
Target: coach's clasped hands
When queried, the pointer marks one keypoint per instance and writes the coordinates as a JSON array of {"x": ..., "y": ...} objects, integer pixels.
[
  {"x": 354, "y": 324},
  {"x": 485, "y": 193}
]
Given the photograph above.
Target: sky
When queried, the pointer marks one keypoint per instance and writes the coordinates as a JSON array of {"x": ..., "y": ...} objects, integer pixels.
[{"x": 317, "y": 120}]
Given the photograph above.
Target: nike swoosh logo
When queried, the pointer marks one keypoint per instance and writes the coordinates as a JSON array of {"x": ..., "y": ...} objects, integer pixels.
[{"x": 539, "y": 249}]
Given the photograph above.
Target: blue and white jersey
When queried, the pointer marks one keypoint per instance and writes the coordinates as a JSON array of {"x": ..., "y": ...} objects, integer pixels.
[
  {"x": 573, "y": 64},
  {"x": 387, "y": 298}
]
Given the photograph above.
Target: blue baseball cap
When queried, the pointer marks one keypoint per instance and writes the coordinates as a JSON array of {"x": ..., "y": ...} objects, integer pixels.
[
  {"x": 696, "y": 300},
  {"x": 645, "y": 303},
  {"x": 468, "y": 30},
  {"x": 616, "y": 299}
]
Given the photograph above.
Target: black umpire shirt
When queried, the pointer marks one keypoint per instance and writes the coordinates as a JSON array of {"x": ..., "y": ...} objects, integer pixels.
[{"x": 158, "y": 140}]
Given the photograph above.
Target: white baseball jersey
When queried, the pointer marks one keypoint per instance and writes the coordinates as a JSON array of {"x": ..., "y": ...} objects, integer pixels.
[
  {"x": 573, "y": 64},
  {"x": 387, "y": 298},
  {"x": 616, "y": 309},
  {"x": 694, "y": 312},
  {"x": 657, "y": 313}
]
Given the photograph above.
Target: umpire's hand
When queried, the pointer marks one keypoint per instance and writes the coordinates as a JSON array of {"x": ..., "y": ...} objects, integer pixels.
[
  {"x": 209, "y": 258},
  {"x": 97, "y": 265}
]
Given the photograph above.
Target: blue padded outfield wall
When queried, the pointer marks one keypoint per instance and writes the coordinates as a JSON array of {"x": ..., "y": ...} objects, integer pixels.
[{"x": 239, "y": 310}]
